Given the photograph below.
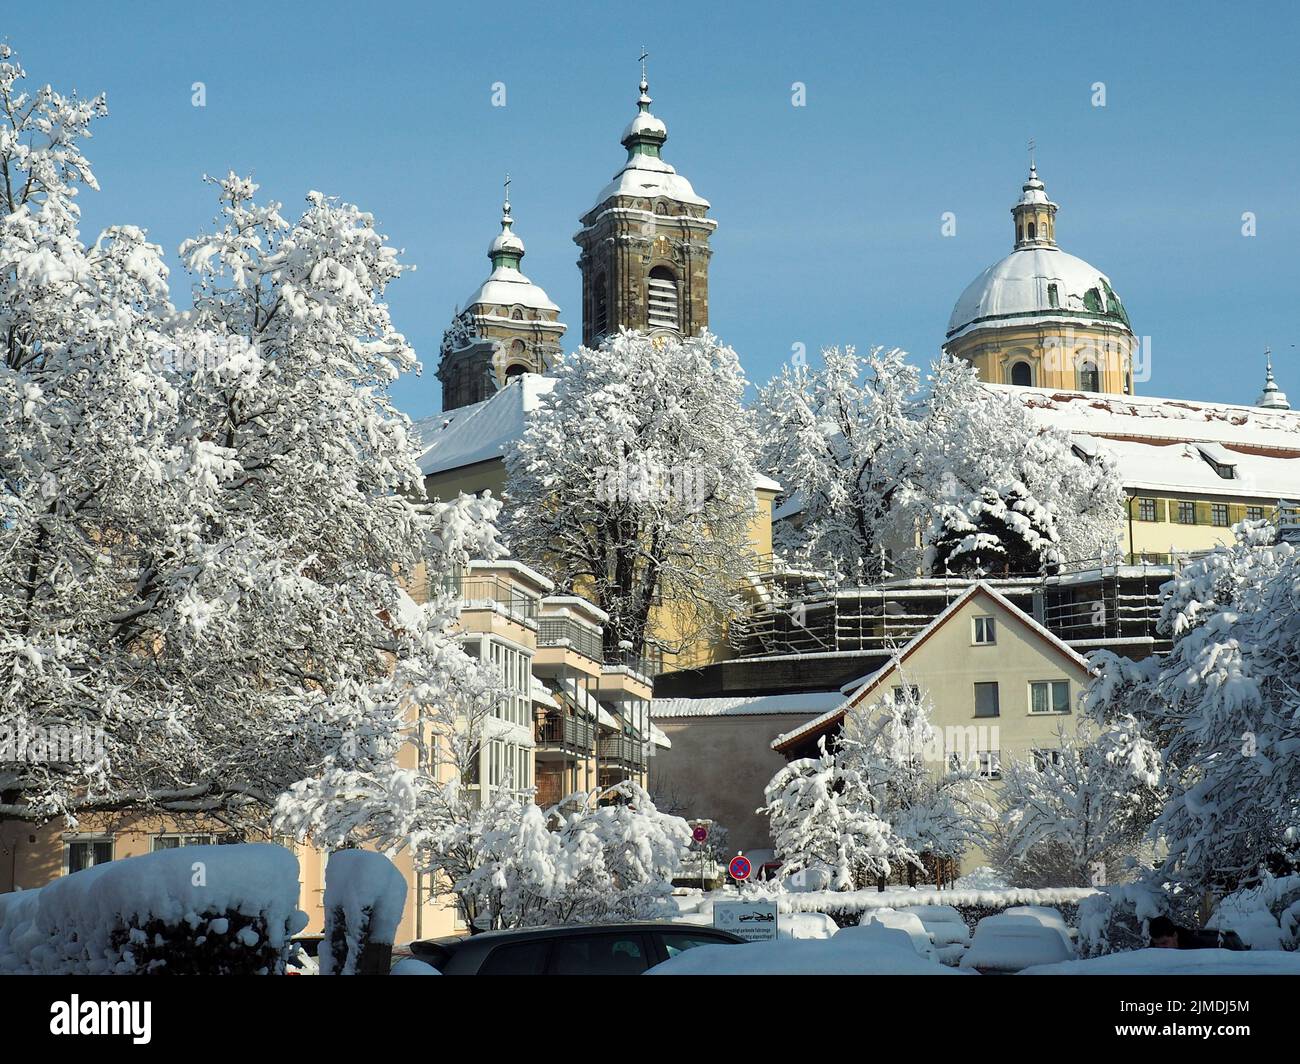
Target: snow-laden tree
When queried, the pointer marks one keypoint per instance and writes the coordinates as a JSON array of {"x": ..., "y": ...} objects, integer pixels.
[
  {"x": 1223, "y": 707},
  {"x": 207, "y": 517},
  {"x": 931, "y": 797},
  {"x": 840, "y": 438},
  {"x": 995, "y": 530},
  {"x": 633, "y": 482},
  {"x": 875, "y": 461},
  {"x": 1079, "y": 813},
  {"x": 599, "y": 856},
  {"x": 820, "y": 818},
  {"x": 977, "y": 444}
]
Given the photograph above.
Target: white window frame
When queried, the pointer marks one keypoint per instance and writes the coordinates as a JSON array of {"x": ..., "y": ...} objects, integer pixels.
[
  {"x": 207, "y": 837},
  {"x": 988, "y": 629},
  {"x": 89, "y": 837},
  {"x": 1051, "y": 701},
  {"x": 988, "y": 764}
]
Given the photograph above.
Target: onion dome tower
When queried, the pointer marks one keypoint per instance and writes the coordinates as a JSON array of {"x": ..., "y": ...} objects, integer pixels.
[
  {"x": 645, "y": 243},
  {"x": 509, "y": 326},
  {"x": 1043, "y": 317},
  {"x": 1272, "y": 398}
]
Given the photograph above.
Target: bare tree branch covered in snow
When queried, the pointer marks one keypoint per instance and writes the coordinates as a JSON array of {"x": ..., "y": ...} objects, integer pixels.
[
  {"x": 206, "y": 517},
  {"x": 876, "y": 463},
  {"x": 633, "y": 483},
  {"x": 1223, "y": 709}
]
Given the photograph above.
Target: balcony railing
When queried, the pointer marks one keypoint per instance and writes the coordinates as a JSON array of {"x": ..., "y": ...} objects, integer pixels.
[
  {"x": 569, "y": 732},
  {"x": 623, "y": 750},
  {"x": 559, "y": 631},
  {"x": 488, "y": 591},
  {"x": 648, "y": 664}
]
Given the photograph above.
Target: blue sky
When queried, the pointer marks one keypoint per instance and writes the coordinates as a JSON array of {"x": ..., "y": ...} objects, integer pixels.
[{"x": 829, "y": 215}]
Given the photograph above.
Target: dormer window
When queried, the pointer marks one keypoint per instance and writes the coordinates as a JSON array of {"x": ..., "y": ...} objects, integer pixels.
[
  {"x": 1053, "y": 296},
  {"x": 1219, "y": 459}
]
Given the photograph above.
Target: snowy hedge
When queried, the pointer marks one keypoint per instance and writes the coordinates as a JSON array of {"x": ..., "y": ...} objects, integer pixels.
[
  {"x": 847, "y": 907},
  {"x": 364, "y": 898},
  {"x": 196, "y": 910}
]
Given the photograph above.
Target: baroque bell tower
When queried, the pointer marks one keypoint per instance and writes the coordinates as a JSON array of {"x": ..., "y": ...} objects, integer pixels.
[
  {"x": 645, "y": 243},
  {"x": 508, "y": 326}
]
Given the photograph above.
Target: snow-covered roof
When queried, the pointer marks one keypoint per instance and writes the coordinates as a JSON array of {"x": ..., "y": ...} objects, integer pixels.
[
  {"x": 1170, "y": 444},
  {"x": 541, "y": 694},
  {"x": 659, "y": 738},
  {"x": 1016, "y": 287},
  {"x": 644, "y": 175},
  {"x": 517, "y": 569},
  {"x": 745, "y": 705},
  {"x": 507, "y": 287},
  {"x": 479, "y": 432},
  {"x": 589, "y": 705},
  {"x": 1151, "y": 416},
  {"x": 858, "y": 690}
]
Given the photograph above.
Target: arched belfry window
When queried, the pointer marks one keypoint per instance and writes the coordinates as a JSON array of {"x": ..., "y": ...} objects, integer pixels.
[
  {"x": 662, "y": 309},
  {"x": 1033, "y": 231},
  {"x": 1022, "y": 374},
  {"x": 600, "y": 309},
  {"x": 1089, "y": 376}
]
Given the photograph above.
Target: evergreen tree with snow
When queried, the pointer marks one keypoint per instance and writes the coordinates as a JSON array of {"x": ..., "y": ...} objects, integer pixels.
[
  {"x": 633, "y": 483},
  {"x": 1223, "y": 708},
  {"x": 821, "y": 818},
  {"x": 1002, "y": 531}
]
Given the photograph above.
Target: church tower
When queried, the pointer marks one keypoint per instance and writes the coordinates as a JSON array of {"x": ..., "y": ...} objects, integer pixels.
[
  {"x": 645, "y": 243},
  {"x": 509, "y": 326}
]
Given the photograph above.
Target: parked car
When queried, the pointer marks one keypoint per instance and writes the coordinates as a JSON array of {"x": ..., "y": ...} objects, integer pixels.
[
  {"x": 1004, "y": 943},
  {"x": 304, "y": 955},
  {"x": 597, "y": 949}
]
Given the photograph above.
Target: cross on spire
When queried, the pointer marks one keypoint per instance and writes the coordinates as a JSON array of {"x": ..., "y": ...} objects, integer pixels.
[{"x": 1031, "y": 154}]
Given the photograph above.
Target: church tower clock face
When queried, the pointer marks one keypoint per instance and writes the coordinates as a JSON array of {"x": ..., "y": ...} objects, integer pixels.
[{"x": 644, "y": 245}]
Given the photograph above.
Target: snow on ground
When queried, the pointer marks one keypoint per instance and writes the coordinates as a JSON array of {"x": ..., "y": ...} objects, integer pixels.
[
  {"x": 841, "y": 955},
  {"x": 805, "y": 926},
  {"x": 1178, "y": 962}
]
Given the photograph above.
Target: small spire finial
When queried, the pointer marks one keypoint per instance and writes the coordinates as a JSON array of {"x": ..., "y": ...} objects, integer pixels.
[
  {"x": 506, "y": 220},
  {"x": 644, "y": 56},
  {"x": 1032, "y": 168}
]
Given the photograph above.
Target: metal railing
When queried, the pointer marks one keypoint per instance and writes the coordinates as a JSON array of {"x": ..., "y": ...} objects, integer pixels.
[
  {"x": 649, "y": 663},
  {"x": 489, "y": 591},
  {"x": 623, "y": 749},
  {"x": 562, "y": 631},
  {"x": 566, "y": 731}
]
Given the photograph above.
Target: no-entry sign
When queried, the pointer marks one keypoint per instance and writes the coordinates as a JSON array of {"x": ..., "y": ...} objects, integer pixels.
[{"x": 700, "y": 833}]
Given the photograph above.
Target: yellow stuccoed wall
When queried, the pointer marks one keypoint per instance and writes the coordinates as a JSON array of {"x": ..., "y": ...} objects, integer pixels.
[{"x": 1054, "y": 351}]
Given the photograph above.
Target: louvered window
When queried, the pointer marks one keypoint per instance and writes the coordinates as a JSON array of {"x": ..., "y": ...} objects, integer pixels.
[{"x": 661, "y": 299}]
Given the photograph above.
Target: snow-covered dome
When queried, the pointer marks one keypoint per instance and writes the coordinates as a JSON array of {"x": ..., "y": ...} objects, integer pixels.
[
  {"x": 645, "y": 173},
  {"x": 507, "y": 287},
  {"x": 1037, "y": 282},
  {"x": 506, "y": 284}
]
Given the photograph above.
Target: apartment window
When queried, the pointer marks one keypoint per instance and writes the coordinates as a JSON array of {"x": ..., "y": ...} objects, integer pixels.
[
  {"x": 1044, "y": 759},
  {"x": 1186, "y": 512},
  {"x": 984, "y": 631},
  {"x": 989, "y": 765},
  {"x": 986, "y": 700},
  {"x": 1049, "y": 696},
  {"x": 1146, "y": 509},
  {"x": 173, "y": 842},
  {"x": 1254, "y": 513},
  {"x": 901, "y": 694},
  {"x": 1219, "y": 515},
  {"x": 86, "y": 853}
]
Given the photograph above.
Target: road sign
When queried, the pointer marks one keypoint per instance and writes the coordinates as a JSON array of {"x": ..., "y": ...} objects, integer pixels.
[
  {"x": 754, "y": 921},
  {"x": 740, "y": 868},
  {"x": 700, "y": 833}
]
